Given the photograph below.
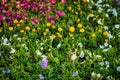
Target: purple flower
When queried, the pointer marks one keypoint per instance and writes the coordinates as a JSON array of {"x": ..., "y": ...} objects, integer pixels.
[
  {"x": 41, "y": 76},
  {"x": 44, "y": 63},
  {"x": 62, "y": 13},
  {"x": 52, "y": 21},
  {"x": 6, "y": 71},
  {"x": 75, "y": 74}
]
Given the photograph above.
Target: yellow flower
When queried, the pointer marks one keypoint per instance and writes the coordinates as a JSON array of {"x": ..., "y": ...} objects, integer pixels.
[
  {"x": 76, "y": 13},
  {"x": 71, "y": 35},
  {"x": 100, "y": 30},
  {"x": 33, "y": 30},
  {"x": 27, "y": 28},
  {"x": 15, "y": 21},
  {"x": 93, "y": 35},
  {"x": 78, "y": 20},
  {"x": 47, "y": 30},
  {"x": 79, "y": 26},
  {"x": 82, "y": 30},
  {"x": 59, "y": 35},
  {"x": 21, "y": 21},
  {"x": 53, "y": 27},
  {"x": 96, "y": 16},
  {"x": 24, "y": 38},
  {"x": 53, "y": 36},
  {"x": 71, "y": 29},
  {"x": 0, "y": 30},
  {"x": 38, "y": 28},
  {"x": 105, "y": 33},
  {"x": 75, "y": 2},
  {"x": 44, "y": 33},
  {"x": 106, "y": 40},
  {"x": 10, "y": 28},
  {"x": 60, "y": 29},
  {"x": 84, "y": 1},
  {"x": 70, "y": 8},
  {"x": 18, "y": 25},
  {"x": 22, "y": 31},
  {"x": 90, "y": 15},
  {"x": 48, "y": 24}
]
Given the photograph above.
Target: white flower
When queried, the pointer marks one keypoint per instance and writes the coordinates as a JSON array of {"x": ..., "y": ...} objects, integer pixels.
[
  {"x": 107, "y": 62},
  {"x": 59, "y": 45},
  {"x": 81, "y": 54},
  {"x": 105, "y": 50},
  {"x": 41, "y": 48},
  {"x": 5, "y": 41},
  {"x": 99, "y": 21},
  {"x": 117, "y": 26},
  {"x": 44, "y": 56},
  {"x": 118, "y": 68},
  {"x": 41, "y": 44},
  {"x": 99, "y": 1},
  {"x": 100, "y": 9},
  {"x": 115, "y": 12},
  {"x": 19, "y": 38},
  {"x": 73, "y": 57},
  {"x": 80, "y": 44},
  {"x": 38, "y": 52},
  {"x": 105, "y": 27},
  {"x": 106, "y": 15},
  {"x": 101, "y": 63},
  {"x": 110, "y": 46},
  {"x": 15, "y": 35},
  {"x": 93, "y": 74},
  {"x": 90, "y": 54},
  {"x": 110, "y": 36},
  {"x": 98, "y": 75},
  {"x": 12, "y": 50},
  {"x": 101, "y": 46},
  {"x": 106, "y": 44}
]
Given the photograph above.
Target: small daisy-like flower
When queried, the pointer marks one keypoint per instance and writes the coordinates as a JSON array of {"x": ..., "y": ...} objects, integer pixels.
[
  {"x": 44, "y": 63},
  {"x": 22, "y": 31},
  {"x": 15, "y": 21},
  {"x": 59, "y": 45},
  {"x": 38, "y": 52},
  {"x": 53, "y": 36},
  {"x": 27, "y": 28},
  {"x": 12, "y": 50},
  {"x": 105, "y": 33}
]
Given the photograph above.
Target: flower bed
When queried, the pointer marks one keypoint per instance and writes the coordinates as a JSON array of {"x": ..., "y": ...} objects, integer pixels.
[{"x": 59, "y": 40}]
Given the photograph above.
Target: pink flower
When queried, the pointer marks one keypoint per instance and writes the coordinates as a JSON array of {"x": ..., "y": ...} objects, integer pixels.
[
  {"x": 62, "y": 13},
  {"x": 56, "y": 16},
  {"x": 58, "y": 12},
  {"x": 52, "y": 21},
  {"x": 49, "y": 17},
  {"x": 1, "y": 17},
  {"x": 48, "y": 9},
  {"x": 52, "y": 1},
  {"x": 63, "y": 1},
  {"x": 7, "y": 12},
  {"x": 35, "y": 20}
]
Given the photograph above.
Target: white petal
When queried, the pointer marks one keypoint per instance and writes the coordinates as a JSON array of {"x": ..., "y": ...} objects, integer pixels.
[
  {"x": 118, "y": 68},
  {"x": 73, "y": 57},
  {"x": 82, "y": 54}
]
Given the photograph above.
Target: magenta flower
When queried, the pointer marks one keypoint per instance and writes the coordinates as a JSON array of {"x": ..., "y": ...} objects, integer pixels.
[
  {"x": 56, "y": 16},
  {"x": 52, "y": 1},
  {"x": 1, "y": 17},
  {"x": 7, "y": 12},
  {"x": 49, "y": 17},
  {"x": 62, "y": 13},
  {"x": 48, "y": 9},
  {"x": 16, "y": 15},
  {"x": 57, "y": 12},
  {"x": 35, "y": 21}
]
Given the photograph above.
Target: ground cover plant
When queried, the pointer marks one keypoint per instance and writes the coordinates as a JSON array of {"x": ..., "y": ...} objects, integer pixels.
[{"x": 60, "y": 40}]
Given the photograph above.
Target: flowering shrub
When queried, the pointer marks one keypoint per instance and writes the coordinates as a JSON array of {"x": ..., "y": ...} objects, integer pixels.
[{"x": 59, "y": 39}]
